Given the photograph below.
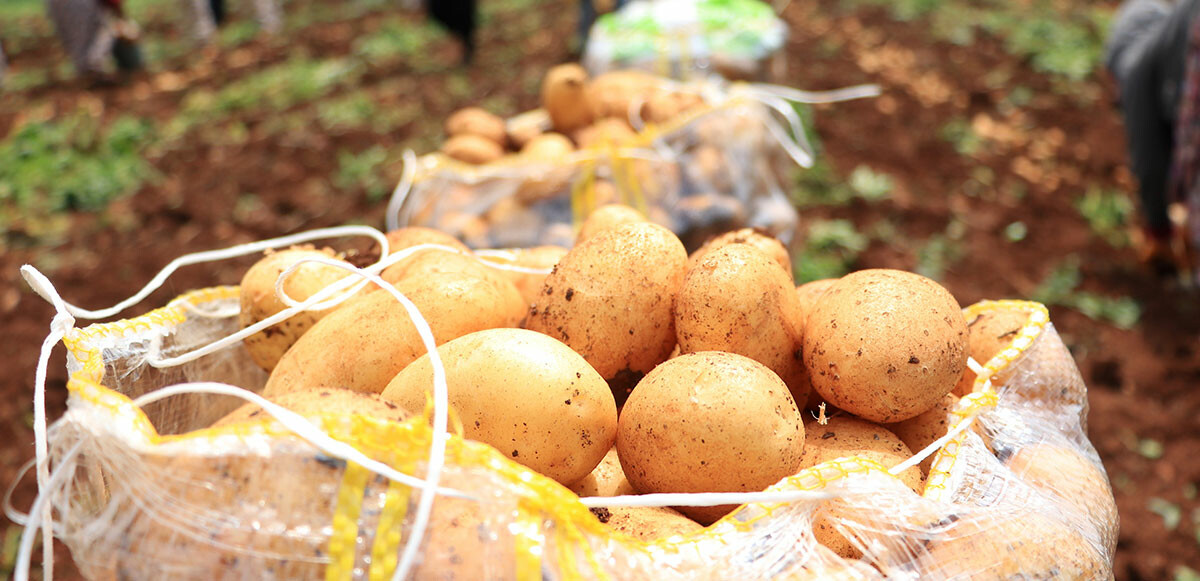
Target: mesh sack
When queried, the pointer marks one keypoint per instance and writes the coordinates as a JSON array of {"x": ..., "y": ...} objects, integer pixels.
[
  {"x": 1015, "y": 489},
  {"x": 720, "y": 167},
  {"x": 685, "y": 39}
]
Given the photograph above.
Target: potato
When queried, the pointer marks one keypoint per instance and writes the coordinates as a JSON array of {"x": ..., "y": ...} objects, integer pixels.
[
  {"x": 646, "y": 523},
  {"x": 409, "y": 236},
  {"x": 476, "y": 121},
  {"x": 564, "y": 97},
  {"x": 435, "y": 261},
  {"x": 993, "y": 331},
  {"x": 737, "y": 299},
  {"x": 759, "y": 239},
  {"x": 1024, "y": 545},
  {"x": 606, "y": 217},
  {"x": 885, "y": 345},
  {"x": 526, "y": 394},
  {"x": 258, "y": 299},
  {"x": 609, "y": 131},
  {"x": 607, "y": 479},
  {"x": 708, "y": 166},
  {"x": 844, "y": 437},
  {"x": 525, "y": 127},
  {"x": 924, "y": 429},
  {"x": 1072, "y": 480},
  {"x": 610, "y": 94},
  {"x": 472, "y": 149},
  {"x": 326, "y": 400},
  {"x": 610, "y": 299},
  {"x": 709, "y": 422},
  {"x": 529, "y": 284},
  {"x": 548, "y": 147},
  {"x": 368, "y": 342},
  {"x": 810, "y": 292}
]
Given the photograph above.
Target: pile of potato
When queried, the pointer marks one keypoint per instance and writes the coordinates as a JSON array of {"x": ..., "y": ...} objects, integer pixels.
[
  {"x": 577, "y": 112},
  {"x": 633, "y": 367},
  {"x": 721, "y": 169}
]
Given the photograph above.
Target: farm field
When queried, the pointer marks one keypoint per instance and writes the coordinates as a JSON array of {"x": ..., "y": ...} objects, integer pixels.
[{"x": 994, "y": 162}]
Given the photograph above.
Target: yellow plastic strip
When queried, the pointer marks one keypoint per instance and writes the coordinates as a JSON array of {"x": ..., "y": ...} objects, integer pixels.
[
  {"x": 530, "y": 542},
  {"x": 384, "y": 551},
  {"x": 583, "y": 193},
  {"x": 343, "y": 540}
]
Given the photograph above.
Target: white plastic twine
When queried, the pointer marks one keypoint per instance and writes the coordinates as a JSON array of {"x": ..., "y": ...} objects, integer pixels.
[
  {"x": 704, "y": 498},
  {"x": 400, "y": 193},
  {"x": 213, "y": 256},
  {"x": 932, "y": 449},
  {"x": 300, "y": 426},
  {"x": 60, "y": 325}
]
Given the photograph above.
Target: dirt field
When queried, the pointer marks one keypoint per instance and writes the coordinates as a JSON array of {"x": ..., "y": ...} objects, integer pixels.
[{"x": 993, "y": 211}]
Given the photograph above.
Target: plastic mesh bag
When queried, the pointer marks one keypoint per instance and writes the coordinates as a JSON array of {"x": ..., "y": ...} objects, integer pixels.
[
  {"x": 684, "y": 39},
  {"x": 723, "y": 166},
  {"x": 142, "y": 488}
]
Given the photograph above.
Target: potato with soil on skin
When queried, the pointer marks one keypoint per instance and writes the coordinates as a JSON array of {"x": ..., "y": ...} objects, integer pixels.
[
  {"x": 843, "y": 437},
  {"x": 525, "y": 394},
  {"x": 1073, "y": 480},
  {"x": 709, "y": 422},
  {"x": 737, "y": 299},
  {"x": 526, "y": 127},
  {"x": 529, "y": 284},
  {"x": 472, "y": 149},
  {"x": 548, "y": 147},
  {"x": 368, "y": 342},
  {"x": 993, "y": 331},
  {"x": 646, "y": 523},
  {"x": 1023, "y": 545},
  {"x": 607, "y": 479},
  {"x": 810, "y": 292},
  {"x": 437, "y": 261},
  {"x": 885, "y": 345},
  {"x": 564, "y": 97},
  {"x": 926, "y": 428},
  {"x": 324, "y": 400},
  {"x": 611, "y": 299},
  {"x": 259, "y": 301},
  {"x": 476, "y": 121},
  {"x": 610, "y": 94},
  {"x": 770, "y": 246},
  {"x": 604, "y": 132},
  {"x": 608, "y": 216},
  {"x": 409, "y": 236}
]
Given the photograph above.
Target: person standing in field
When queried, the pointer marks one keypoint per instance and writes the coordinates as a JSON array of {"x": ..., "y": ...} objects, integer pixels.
[
  {"x": 208, "y": 15},
  {"x": 1153, "y": 52},
  {"x": 91, "y": 31}
]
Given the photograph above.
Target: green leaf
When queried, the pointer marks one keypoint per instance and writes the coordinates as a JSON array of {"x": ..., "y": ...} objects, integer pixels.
[
  {"x": 1170, "y": 512},
  {"x": 1015, "y": 232},
  {"x": 1149, "y": 448}
]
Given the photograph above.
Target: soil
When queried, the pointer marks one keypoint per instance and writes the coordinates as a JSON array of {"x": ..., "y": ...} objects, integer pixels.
[{"x": 1143, "y": 381}]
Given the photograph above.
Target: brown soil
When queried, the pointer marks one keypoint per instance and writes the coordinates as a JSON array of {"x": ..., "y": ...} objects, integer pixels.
[{"x": 1143, "y": 381}]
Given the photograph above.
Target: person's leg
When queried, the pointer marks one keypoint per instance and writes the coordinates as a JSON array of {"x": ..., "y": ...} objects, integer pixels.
[
  {"x": 81, "y": 27},
  {"x": 268, "y": 14},
  {"x": 204, "y": 24},
  {"x": 1129, "y": 28},
  {"x": 218, "y": 11}
]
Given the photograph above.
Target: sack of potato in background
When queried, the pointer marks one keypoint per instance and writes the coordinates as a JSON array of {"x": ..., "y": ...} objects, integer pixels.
[
  {"x": 686, "y": 39},
  {"x": 617, "y": 409},
  {"x": 699, "y": 159}
]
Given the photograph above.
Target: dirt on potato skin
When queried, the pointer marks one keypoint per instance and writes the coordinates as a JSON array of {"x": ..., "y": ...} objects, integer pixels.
[{"x": 1142, "y": 381}]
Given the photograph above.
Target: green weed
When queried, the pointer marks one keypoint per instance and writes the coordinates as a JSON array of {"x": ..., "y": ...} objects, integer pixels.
[
  {"x": 830, "y": 250},
  {"x": 962, "y": 137},
  {"x": 363, "y": 169},
  {"x": 397, "y": 39},
  {"x": 819, "y": 186},
  {"x": 1060, "y": 288},
  {"x": 275, "y": 88},
  {"x": 70, "y": 164},
  {"x": 1108, "y": 213},
  {"x": 937, "y": 254}
]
